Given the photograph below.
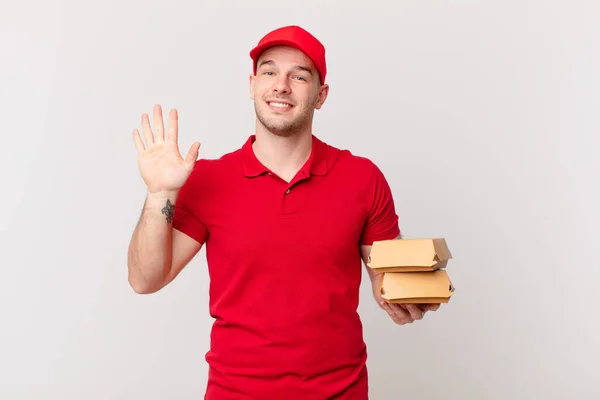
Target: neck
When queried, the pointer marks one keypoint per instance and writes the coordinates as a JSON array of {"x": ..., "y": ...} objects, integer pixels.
[{"x": 284, "y": 155}]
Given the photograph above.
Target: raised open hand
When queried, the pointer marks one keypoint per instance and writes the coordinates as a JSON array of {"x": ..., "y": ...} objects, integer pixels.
[{"x": 159, "y": 160}]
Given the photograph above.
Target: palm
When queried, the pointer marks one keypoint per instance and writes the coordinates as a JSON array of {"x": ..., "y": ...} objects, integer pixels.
[
  {"x": 163, "y": 168},
  {"x": 161, "y": 165}
]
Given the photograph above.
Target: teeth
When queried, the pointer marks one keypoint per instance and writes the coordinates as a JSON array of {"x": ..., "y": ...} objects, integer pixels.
[{"x": 279, "y": 104}]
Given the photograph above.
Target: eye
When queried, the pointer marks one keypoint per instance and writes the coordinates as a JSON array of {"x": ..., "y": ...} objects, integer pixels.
[
  {"x": 300, "y": 78},
  {"x": 268, "y": 73}
]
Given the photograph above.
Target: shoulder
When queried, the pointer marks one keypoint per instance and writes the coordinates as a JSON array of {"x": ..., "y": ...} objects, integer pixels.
[
  {"x": 350, "y": 161},
  {"x": 362, "y": 174},
  {"x": 212, "y": 171},
  {"x": 227, "y": 163}
]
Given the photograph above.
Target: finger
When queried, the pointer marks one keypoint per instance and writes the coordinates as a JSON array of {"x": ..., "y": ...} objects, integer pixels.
[
  {"x": 159, "y": 126},
  {"x": 387, "y": 307},
  {"x": 415, "y": 312},
  {"x": 173, "y": 126},
  {"x": 192, "y": 154},
  {"x": 402, "y": 313},
  {"x": 137, "y": 139},
  {"x": 147, "y": 130},
  {"x": 430, "y": 307},
  {"x": 397, "y": 314}
]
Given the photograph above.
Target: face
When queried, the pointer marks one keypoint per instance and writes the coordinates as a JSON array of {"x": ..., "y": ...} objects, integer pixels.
[{"x": 286, "y": 90}]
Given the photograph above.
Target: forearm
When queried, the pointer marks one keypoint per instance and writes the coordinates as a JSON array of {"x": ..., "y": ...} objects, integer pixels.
[{"x": 150, "y": 249}]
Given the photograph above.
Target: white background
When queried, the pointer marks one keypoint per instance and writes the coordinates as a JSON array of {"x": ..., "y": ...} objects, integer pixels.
[{"x": 483, "y": 116}]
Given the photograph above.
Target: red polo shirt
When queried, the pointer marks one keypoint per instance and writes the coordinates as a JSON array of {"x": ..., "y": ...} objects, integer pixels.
[{"x": 285, "y": 270}]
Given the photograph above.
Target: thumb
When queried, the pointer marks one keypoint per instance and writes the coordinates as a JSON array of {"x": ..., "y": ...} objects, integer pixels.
[{"x": 192, "y": 154}]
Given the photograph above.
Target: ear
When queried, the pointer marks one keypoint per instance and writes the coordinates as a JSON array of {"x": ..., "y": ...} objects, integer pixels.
[
  {"x": 252, "y": 79},
  {"x": 322, "y": 96}
]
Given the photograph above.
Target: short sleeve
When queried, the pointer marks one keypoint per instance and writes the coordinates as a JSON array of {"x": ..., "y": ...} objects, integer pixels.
[
  {"x": 186, "y": 217},
  {"x": 382, "y": 219}
]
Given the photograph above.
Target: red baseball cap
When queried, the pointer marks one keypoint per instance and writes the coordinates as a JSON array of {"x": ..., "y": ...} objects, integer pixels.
[{"x": 293, "y": 36}]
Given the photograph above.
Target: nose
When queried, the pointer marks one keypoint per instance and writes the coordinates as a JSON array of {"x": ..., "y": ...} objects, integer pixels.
[{"x": 282, "y": 85}]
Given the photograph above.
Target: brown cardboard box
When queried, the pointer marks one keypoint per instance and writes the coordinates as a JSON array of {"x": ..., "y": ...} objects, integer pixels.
[
  {"x": 409, "y": 255},
  {"x": 416, "y": 287},
  {"x": 413, "y": 270}
]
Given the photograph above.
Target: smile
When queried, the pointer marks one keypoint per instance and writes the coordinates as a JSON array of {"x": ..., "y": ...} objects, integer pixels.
[{"x": 279, "y": 106}]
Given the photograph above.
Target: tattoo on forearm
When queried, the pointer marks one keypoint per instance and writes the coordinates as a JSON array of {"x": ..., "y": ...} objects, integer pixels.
[{"x": 168, "y": 211}]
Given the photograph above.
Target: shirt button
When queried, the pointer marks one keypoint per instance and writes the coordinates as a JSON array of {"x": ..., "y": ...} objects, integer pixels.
[{"x": 287, "y": 191}]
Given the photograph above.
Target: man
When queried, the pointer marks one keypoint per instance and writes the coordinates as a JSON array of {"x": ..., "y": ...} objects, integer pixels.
[{"x": 287, "y": 220}]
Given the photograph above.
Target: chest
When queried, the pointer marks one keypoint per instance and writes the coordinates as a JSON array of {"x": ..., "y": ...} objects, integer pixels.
[{"x": 314, "y": 220}]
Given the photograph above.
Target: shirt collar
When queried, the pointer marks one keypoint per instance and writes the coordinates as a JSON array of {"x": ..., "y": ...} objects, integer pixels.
[{"x": 316, "y": 163}]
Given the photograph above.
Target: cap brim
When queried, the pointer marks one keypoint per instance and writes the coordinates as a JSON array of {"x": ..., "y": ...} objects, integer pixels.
[{"x": 258, "y": 50}]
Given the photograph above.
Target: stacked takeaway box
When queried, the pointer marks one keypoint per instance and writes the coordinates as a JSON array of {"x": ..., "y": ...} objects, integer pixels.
[{"x": 414, "y": 270}]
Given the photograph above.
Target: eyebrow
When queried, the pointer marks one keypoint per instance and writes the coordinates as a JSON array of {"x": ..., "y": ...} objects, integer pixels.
[
  {"x": 266, "y": 62},
  {"x": 303, "y": 68},
  {"x": 297, "y": 67}
]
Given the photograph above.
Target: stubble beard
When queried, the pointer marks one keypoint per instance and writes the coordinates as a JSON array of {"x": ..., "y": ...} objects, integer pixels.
[{"x": 283, "y": 128}]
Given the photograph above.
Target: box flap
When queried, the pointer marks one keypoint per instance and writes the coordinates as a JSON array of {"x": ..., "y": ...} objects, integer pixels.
[
  {"x": 442, "y": 252},
  {"x": 409, "y": 253},
  {"x": 414, "y": 285}
]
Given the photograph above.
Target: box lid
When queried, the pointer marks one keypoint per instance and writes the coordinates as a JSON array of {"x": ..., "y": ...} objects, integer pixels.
[{"x": 409, "y": 253}]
